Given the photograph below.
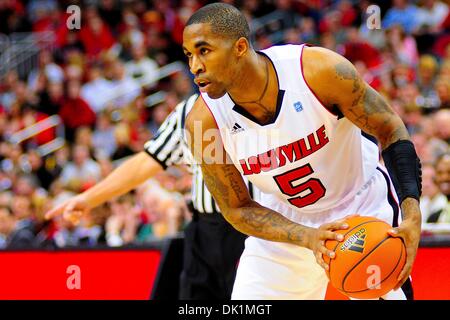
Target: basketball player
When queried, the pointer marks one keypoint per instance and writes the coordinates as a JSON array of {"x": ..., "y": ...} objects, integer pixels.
[
  {"x": 321, "y": 167},
  {"x": 212, "y": 247}
]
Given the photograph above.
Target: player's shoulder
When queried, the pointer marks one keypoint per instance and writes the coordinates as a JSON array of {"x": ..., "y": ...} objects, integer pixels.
[
  {"x": 199, "y": 115},
  {"x": 323, "y": 66},
  {"x": 321, "y": 57}
]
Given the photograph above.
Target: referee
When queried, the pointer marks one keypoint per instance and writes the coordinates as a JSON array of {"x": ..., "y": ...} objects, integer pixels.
[{"x": 212, "y": 247}]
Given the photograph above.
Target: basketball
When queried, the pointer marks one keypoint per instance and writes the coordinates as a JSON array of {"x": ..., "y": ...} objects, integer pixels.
[{"x": 368, "y": 261}]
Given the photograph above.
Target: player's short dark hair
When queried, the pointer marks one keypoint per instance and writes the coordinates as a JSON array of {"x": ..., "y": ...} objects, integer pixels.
[{"x": 224, "y": 19}]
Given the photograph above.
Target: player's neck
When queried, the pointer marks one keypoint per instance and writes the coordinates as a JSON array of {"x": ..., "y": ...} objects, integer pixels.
[
  {"x": 256, "y": 88},
  {"x": 251, "y": 79}
]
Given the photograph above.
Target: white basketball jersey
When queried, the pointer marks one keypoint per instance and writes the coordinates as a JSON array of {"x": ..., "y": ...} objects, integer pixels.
[{"x": 306, "y": 159}]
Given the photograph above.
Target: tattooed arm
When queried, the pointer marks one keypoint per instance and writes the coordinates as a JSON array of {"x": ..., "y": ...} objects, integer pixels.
[
  {"x": 226, "y": 185},
  {"x": 368, "y": 110}
]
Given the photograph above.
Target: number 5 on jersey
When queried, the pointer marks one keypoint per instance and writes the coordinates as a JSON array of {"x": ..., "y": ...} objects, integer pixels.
[{"x": 286, "y": 180}]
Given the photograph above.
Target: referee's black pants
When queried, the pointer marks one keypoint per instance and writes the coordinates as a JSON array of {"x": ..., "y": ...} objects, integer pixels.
[{"x": 212, "y": 248}]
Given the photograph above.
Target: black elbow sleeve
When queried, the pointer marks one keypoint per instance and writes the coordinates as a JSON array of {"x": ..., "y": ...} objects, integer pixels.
[{"x": 404, "y": 167}]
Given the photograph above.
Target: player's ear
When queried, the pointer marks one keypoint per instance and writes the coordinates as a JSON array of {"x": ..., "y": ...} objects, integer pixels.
[{"x": 241, "y": 46}]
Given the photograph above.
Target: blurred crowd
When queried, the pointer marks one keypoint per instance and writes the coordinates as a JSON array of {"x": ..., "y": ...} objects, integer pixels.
[{"x": 98, "y": 80}]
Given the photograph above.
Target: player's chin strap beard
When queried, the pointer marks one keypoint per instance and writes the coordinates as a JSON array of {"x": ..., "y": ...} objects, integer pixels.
[{"x": 258, "y": 102}]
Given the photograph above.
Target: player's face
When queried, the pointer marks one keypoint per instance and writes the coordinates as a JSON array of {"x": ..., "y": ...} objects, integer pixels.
[
  {"x": 443, "y": 175},
  {"x": 210, "y": 59}
]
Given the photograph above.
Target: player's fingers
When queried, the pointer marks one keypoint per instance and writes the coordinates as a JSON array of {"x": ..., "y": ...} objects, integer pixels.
[
  {"x": 403, "y": 276},
  {"x": 335, "y": 225},
  {"x": 395, "y": 232},
  {"x": 330, "y": 235},
  {"x": 326, "y": 252},
  {"x": 320, "y": 260}
]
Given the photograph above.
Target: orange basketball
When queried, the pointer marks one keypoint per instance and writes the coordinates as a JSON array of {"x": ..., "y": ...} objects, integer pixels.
[{"x": 368, "y": 261}]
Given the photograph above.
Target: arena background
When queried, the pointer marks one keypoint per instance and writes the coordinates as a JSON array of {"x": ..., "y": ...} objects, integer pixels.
[{"x": 83, "y": 84}]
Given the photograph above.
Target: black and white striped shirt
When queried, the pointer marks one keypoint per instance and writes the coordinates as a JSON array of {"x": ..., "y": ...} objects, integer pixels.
[{"x": 169, "y": 147}]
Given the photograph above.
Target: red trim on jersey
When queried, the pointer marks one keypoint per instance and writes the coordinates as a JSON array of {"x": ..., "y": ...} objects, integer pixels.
[
  {"x": 304, "y": 79},
  {"x": 210, "y": 111},
  {"x": 391, "y": 187}
]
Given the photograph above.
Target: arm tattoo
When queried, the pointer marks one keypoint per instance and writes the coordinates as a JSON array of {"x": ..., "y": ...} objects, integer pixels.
[
  {"x": 246, "y": 215},
  {"x": 235, "y": 186},
  {"x": 369, "y": 110},
  {"x": 215, "y": 185},
  {"x": 270, "y": 225}
]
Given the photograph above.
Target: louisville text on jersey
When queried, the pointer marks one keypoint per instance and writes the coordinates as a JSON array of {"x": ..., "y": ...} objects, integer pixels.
[{"x": 289, "y": 153}]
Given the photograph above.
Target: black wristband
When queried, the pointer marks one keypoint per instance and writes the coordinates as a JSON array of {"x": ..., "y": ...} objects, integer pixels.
[{"x": 404, "y": 168}]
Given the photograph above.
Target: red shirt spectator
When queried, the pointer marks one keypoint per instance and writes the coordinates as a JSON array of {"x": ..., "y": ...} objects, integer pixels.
[
  {"x": 96, "y": 36},
  {"x": 75, "y": 112}
]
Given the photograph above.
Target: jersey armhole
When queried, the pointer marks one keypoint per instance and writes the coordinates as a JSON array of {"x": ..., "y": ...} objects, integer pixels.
[{"x": 309, "y": 87}]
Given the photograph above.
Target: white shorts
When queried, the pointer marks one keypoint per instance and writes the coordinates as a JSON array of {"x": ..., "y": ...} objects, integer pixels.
[{"x": 273, "y": 270}]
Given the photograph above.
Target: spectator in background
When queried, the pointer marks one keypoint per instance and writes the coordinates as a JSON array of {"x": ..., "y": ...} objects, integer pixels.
[
  {"x": 358, "y": 49},
  {"x": 46, "y": 67},
  {"x": 41, "y": 168},
  {"x": 37, "y": 9},
  {"x": 109, "y": 11},
  {"x": 130, "y": 33},
  {"x": 14, "y": 233},
  {"x": 13, "y": 17},
  {"x": 401, "y": 13},
  {"x": 431, "y": 15},
  {"x": 75, "y": 112},
  {"x": 142, "y": 68},
  {"x": 442, "y": 88},
  {"x": 97, "y": 90},
  {"x": 6, "y": 225},
  {"x": 67, "y": 234},
  {"x": 95, "y": 35},
  {"x": 441, "y": 122},
  {"x": 159, "y": 114},
  {"x": 82, "y": 172},
  {"x": 125, "y": 89},
  {"x": 432, "y": 200},
  {"x": 404, "y": 46},
  {"x": 308, "y": 32},
  {"x": 122, "y": 138},
  {"x": 442, "y": 179},
  {"x": 164, "y": 210},
  {"x": 50, "y": 98},
  {"x": 426, "y": 78},
  {"x": 7, "y": 97},
  {"x": 23, "y": 234},
  {"x": 123, "y": 223},
  {"x": 83, "y": 136},
  {"x": 103, "y": 138}
]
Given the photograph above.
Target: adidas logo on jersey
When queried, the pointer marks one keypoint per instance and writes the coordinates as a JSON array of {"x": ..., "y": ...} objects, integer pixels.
[{"x": 236, "y": 128}]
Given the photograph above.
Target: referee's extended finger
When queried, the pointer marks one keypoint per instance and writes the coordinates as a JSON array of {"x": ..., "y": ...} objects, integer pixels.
[{"x": 58, "y": 210}]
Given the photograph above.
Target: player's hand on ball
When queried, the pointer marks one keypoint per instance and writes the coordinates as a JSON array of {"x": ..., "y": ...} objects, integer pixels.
[
  {"x": 71, "y": 210},
  {"x": 323, "y": 233},
  {"x": 409, "y": 230}
]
